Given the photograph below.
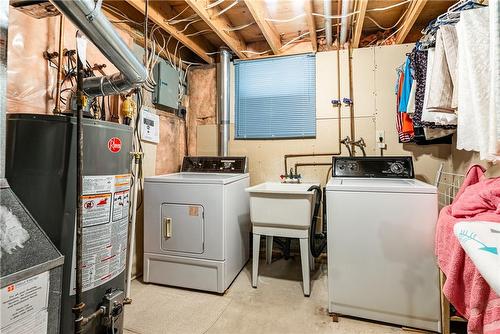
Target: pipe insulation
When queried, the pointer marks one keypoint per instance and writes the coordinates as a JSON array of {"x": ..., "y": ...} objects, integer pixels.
[
  {"x": 88, "y": 17},
  {"x": 327, "y": 4},
  {"x": 347, "y": 6},
  {"x": 223, "y": 100}
]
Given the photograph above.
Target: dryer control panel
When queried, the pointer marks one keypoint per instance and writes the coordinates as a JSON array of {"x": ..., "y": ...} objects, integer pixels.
[
  {"x": 237, "y": 165},
  {"x": 379, "y": 167}
]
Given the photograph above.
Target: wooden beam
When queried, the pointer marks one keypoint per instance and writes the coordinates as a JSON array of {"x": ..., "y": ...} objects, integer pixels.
[
  {"x": 259, "y": 13},
  {"x": 138, "y": 37},
  {"x": 308, "y": 9},
  {"x": 156, "y": 17},
  {"x": 218, "y": 23},
  {"x": 416, "y": 7},
  {"x": 358, "y": 29}
]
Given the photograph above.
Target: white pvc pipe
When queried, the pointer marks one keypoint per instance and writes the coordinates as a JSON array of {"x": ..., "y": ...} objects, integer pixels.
[
  {"x": 131, "y": 247},
  {"x": 347, "y": 6},
  {"x": 327, "y": 4}
]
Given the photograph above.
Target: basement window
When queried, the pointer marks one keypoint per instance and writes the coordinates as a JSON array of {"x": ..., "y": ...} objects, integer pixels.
[{"x": 275, "y": 98}]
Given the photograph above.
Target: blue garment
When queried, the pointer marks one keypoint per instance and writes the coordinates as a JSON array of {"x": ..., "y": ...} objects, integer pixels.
[{"x": 407, "y": 83}]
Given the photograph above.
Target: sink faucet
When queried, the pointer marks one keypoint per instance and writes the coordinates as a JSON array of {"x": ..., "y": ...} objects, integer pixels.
[{"x": 291, "y": 178}]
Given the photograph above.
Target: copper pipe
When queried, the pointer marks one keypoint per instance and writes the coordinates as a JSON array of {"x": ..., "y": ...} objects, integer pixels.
[
  {"x": 287, "y": 156},
  {"x": 351, "y": 106},
  {"x": 60, "y": 75},
  {"x": 339, "y": 107},
  {"x": 299, "y": 164}
]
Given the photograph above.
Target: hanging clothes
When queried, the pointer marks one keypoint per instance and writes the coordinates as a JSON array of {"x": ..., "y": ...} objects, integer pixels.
[
  {"x": 404, "y": 124},
  {"x": 434, "y": 116},
  {"x": 474, "y": 85},
  {"x": 406, "y": 89},
  {"x": 442, "y": 84},
  {"x": 419, "y": 64},
  {"x": 494, "y": 119}
]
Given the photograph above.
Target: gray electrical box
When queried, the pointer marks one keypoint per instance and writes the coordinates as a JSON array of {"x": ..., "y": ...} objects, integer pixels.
[{"x": 167, "y": 86}]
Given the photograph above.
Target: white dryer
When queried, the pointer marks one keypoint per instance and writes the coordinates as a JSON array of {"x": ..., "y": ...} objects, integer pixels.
[
  {"x": 380, "y": 231},
  {"x": 197, "y": 224}
]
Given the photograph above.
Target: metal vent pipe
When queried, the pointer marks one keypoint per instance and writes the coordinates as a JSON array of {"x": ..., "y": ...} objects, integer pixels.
[
  {"x": 88, "y": 17},
  {"x": 223, "y": 100}
]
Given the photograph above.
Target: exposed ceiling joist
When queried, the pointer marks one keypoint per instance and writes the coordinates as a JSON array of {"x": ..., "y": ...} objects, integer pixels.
[
  {"x": 416, "y": 7},
  {"x": 259, "y": 13},
  {"x": 358, "y": 29},
  {"x": 156, "y": 17},
  {"x": 139, "y": 39},
  {"x": 308, "y": 8},
  {"x": 218, "y": 23}
]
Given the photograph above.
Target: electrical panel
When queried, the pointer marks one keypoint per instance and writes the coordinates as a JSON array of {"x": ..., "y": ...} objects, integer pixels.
[{"x": 167, "y": 86}]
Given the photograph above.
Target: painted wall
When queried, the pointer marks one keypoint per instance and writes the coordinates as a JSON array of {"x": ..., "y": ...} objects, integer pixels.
[{"x": 374, "y": 109}]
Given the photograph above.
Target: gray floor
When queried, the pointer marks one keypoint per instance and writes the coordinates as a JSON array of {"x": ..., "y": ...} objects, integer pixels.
[{"x": 276, "y": 306}]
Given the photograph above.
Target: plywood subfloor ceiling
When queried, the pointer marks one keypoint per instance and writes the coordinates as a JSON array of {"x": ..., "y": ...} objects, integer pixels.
[{"x": 194, "y": 30}]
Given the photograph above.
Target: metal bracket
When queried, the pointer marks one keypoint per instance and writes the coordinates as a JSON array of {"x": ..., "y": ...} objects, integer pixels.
[{"x": 97, "y": 7}]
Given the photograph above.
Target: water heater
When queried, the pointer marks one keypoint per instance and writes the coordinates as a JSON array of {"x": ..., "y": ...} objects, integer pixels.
[{"x": 41, "y": 169}]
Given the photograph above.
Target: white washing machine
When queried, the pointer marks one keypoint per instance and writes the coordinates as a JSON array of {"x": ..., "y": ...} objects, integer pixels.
[
  {"x": 197, "y": 224},
  {"x": 381, "y": 224}
]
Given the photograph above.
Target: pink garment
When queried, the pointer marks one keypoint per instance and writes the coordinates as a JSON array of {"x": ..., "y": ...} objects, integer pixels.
[{"x": 465, "y": 288}]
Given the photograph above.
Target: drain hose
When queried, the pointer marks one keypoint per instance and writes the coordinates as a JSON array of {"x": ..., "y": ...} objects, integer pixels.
[{"x": 317, "y": 241}]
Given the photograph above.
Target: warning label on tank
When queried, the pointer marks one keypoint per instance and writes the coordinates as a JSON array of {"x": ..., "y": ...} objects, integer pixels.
[{"x": 105, "y": 229}]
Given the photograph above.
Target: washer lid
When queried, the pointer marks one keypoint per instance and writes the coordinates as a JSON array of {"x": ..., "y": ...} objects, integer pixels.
[
  {"x": 199, "y": 178},
  {"x": 380, "y": 185}
]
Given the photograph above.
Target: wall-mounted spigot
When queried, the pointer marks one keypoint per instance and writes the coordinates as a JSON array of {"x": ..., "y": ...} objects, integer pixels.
[
  {"x": 347, "y": 142},
  {"x": 361, "y": 144},
  {"x": 336, "y": 103},
  {"x": 347, "y": 101}
]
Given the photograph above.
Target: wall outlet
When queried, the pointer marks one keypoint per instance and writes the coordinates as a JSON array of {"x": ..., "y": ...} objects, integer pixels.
[{"x": 379, "y": 134}]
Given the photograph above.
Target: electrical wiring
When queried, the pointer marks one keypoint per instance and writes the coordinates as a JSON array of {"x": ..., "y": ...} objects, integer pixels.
[
  {"x": 214, "y": 4},
  {"x": 226, "y": 9},
  {"x": 335, "y": 16},
  {"x": 299, "y": 37},
  {"x": 176, "y": 16},
  {"x": 204, "y": 31},
  {"x": 255, "y": 52},
  {"x": 387, "y": 7},
  {"x": 187, "y": 25},
  {"x": 186, "y": 19},
  {"x": 382, "y": 27},
  {"x": 125, "y": 18},
  {"x": 239, "y": 27}
]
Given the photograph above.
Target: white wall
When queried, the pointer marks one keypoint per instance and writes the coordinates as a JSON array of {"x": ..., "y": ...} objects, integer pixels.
[{"x": 374, "y": 99}]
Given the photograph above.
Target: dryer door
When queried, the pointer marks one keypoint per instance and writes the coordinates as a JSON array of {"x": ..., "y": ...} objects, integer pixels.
[{"x": 182, "y": 228}]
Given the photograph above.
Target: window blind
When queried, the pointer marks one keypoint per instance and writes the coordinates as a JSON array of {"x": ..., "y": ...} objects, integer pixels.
[{"x": 275, "y": 97}]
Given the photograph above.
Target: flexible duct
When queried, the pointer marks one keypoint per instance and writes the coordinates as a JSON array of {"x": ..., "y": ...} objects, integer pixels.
[
  {"x": 88, "y": 17},
  {"x": 327, "y": 4},
  {"x": 347, "y": 6},
  {"x": 223, "y": 102}
]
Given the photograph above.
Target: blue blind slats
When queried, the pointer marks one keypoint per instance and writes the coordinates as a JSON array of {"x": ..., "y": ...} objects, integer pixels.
[{"x": 276, "y": 97}]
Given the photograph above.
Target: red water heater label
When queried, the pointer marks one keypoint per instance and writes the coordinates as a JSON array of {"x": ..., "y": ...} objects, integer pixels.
[{"x": 115, "y": 144}]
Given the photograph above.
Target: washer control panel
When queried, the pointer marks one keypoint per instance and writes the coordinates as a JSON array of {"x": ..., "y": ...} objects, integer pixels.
[
  {"x": 214, "y": 164},
  {"x": 379, "y": 167}
]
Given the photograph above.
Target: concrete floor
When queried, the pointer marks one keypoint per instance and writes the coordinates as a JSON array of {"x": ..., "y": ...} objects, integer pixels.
[{"x": 276, "y": 306}]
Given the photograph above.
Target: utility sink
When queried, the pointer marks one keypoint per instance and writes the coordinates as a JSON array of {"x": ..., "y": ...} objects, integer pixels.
[{"x": 288, "y": 205}]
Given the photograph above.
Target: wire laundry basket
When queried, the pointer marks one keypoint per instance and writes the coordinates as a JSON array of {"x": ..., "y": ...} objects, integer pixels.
[{"x": 448, "y": 185}]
